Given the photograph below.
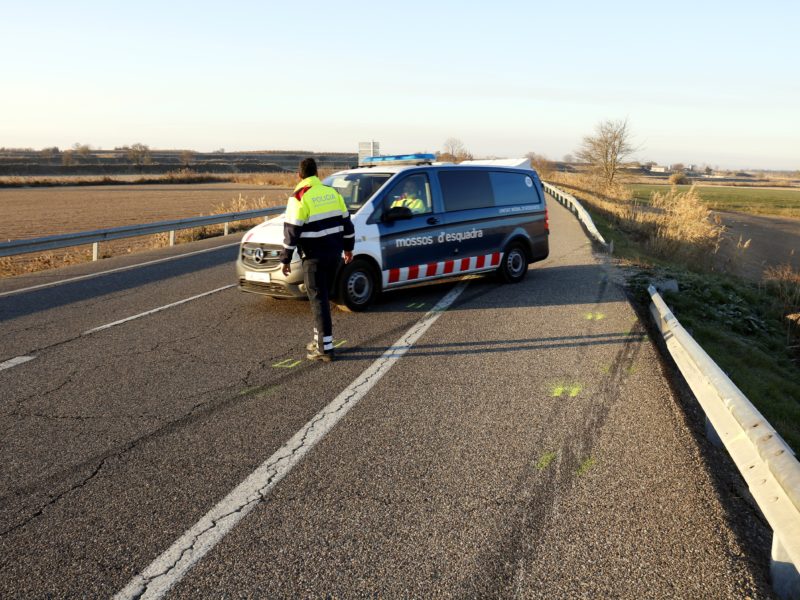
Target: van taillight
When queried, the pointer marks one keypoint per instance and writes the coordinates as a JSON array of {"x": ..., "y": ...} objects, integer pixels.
[{"x": 546, "y": 220}]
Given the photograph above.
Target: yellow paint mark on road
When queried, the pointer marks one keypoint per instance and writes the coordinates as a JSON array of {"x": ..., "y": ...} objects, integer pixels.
[
  {"x": 340, "y": 343},
  {"x": 415, "y": 305},
  {"x": 585, "y": 466},
  {"x": 570, "y": 389},
  {"x": 594, "y": 316},
  {"x": 289, "y": 363},
  {"x": 259, "y": 389},
  {"x": 545, "y": 461}
]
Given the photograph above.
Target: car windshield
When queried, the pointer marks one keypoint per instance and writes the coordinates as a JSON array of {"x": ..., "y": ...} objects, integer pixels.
[{"x": 357, "y": 188}]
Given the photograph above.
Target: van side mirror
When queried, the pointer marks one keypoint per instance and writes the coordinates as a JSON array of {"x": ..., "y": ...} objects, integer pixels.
[{"x": 397, "y": 213}]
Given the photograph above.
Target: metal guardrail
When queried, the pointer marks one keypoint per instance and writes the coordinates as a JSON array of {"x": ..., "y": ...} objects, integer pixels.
[
  {"x": 576, "y": 208},
  {"x": 766, "y": 462},
  {"x": 66, "y": 240}
]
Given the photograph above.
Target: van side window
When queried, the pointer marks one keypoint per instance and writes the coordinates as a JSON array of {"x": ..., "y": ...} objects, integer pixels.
[
  {"x": 413, "y": 192},
  {"x": 513, "y": 188},
  {"x": 462, "y": 190}
]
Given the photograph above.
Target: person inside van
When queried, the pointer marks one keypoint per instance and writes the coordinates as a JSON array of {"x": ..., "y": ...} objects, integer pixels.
[{"x": 411, "y": 197}]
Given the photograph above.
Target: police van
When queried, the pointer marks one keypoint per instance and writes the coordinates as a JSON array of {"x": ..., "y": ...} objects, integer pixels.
[{"x": 416, "y": 221}]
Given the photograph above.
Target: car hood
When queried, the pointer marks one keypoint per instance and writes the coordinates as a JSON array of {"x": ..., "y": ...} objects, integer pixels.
[{"x": 269, "y": 232}]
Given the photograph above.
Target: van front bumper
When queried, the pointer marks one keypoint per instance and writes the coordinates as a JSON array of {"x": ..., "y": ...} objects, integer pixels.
[{"x": 279, "y": 285}]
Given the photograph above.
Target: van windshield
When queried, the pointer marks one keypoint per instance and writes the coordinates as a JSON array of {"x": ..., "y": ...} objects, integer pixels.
[{"x": 357, "y": 188}]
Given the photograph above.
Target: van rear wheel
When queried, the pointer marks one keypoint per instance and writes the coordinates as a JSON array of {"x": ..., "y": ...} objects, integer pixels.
[
  {"x": 358, "y": 285},
  {"x": 514, "y": 264}
]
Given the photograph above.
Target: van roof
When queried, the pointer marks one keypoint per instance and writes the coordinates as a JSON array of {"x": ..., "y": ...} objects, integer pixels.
[{"x": 515, "y": 163}]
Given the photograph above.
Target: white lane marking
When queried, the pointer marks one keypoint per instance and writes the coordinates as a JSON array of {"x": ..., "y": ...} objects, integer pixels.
[
  {"x": 118, "y": 269},
  {"x": 17, "y": 360},
  {"x": 155, "y": 310},
  {"x": 169, "y": 568}
]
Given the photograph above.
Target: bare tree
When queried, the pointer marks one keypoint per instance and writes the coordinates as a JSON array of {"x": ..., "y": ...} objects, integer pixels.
[
  {"x": 186, "y": 158},
  {"x": 607, "y": 149},
  {"x": 541, "y": 164},
  {"x": 138, "y": 154},
  {"x": 49, "y": 153},
  {"x": 453, "y": 146},
  {"x": 454, "y": 151},
  {"x": 67, "y": 159},
  {"x": 568, "y": 158},
  {"x": 82, "y": 149}
]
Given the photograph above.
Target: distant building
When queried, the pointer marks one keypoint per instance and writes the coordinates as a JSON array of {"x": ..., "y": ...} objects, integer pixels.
[
  {"x": 368, "y": 149},
  {"x": 658, "y": 169}
]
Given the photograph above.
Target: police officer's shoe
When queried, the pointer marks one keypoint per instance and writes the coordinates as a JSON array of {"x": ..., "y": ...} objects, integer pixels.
[{"x": 317, "y": 354}]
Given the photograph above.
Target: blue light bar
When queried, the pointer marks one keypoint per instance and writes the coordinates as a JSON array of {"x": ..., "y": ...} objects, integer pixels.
[{"x": 398, "y": 159}]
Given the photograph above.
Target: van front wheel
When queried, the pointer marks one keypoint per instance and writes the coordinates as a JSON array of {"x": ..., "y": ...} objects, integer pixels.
[
  {"x": 514, "y": 264},
  {"x": 358, "y": 285}
]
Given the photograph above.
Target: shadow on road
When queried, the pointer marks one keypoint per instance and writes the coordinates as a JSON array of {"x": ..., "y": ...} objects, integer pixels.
[
  {"x": 543, "y": 286},
  {"x": 491, "y": 346}
]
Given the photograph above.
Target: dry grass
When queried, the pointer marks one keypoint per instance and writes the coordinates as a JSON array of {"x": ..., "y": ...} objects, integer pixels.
[
  {"x": 685, "y": 227},
  {"x": 184, "y": 176},
  {"x": 784, "y": 282},
  {"x": 33, "y": 263},
  {"x": 283, "y": 180},
  {"x": 676, "y": 225}
]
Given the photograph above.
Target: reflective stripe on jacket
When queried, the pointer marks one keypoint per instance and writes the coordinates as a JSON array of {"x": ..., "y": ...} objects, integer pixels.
[{"x": 317, "y": 222}]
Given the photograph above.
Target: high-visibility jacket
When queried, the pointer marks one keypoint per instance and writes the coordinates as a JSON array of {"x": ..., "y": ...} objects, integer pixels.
[
  {"x": 416, "y": 205},
  {"x": 317, "y": 222}
]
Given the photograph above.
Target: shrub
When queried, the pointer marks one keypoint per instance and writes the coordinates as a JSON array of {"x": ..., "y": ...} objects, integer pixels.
[
  {"x": 679, "y": 179},
  {"x": 685, "y": 228}
]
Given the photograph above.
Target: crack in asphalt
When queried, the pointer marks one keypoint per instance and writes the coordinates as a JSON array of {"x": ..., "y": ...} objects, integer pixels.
[
  {"x": 56, "y": 498},
  {"x": 195, "y": 412},
  {"x": 255, "y": 488}
]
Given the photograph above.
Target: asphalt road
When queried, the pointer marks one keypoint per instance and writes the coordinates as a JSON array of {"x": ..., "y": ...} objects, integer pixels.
[{"x": 529, "y": 444}]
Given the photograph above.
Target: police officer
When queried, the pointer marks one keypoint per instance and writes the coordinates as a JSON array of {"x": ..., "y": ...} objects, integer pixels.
[
  {"x": 318, "y": 225},
  {"x": 410, "y": 198}
]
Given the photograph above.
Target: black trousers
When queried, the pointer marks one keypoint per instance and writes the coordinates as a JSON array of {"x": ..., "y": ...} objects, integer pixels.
[{"x": 318, "y": 274}]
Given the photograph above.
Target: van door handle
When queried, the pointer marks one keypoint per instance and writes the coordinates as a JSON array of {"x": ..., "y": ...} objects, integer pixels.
[{"x": 433, "y": 221}]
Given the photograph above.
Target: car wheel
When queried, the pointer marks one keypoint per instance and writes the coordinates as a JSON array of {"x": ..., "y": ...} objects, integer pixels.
[
  {"x": 358, "y": 285},
  {"x": 514, "y": 264}
]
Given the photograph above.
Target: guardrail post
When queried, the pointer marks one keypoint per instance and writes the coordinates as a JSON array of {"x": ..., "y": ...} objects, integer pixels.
[
  {"x": 172, "y": 237},
  {"x": 95, "y": 250},
  {"x": 784, "y": 575},
  {"x": 225, "y": 232}
]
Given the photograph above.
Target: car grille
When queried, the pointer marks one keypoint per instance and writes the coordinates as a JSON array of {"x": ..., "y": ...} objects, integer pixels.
[
  {"x": 271, "y": 289},
  {"x": 270, "y": 256}
]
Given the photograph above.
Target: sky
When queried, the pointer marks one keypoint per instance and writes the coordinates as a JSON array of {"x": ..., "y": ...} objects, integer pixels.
[{"x": 711, "y": 82}]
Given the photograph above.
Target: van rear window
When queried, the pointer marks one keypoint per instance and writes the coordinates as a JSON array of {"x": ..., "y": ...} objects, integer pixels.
[
  {"x": 513, "y": 188},
  {"x": 462, "y": 190}
]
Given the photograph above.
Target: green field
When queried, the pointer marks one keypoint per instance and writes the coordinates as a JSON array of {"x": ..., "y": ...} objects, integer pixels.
[{"x": 762, "y": 201}]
